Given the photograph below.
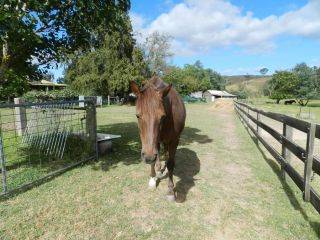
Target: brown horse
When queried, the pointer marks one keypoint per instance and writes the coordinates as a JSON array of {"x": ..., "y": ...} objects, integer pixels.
[{"x": 161, "y": 117}]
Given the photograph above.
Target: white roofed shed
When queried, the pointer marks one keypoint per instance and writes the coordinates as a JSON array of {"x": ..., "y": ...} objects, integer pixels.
[{"x": 211, "y": 95}]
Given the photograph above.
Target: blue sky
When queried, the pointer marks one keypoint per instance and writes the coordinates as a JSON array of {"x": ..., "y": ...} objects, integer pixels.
[
  {"x": 247, "y": 34},
  {"x": 235, "y": 36}
]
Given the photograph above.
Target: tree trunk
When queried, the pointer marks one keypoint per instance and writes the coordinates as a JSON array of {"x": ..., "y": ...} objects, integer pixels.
[
  {"x": 4, "y": 62},
  {"x": 5, "y": 50},
  {"x": 278, "y": 101}
]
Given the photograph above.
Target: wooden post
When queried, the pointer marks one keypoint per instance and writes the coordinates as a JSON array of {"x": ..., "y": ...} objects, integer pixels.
[
  {"x": 20, "y": 117},
  {"x": 309, "y": 161},
  {"x": 258, "y": 129},
  {"x": 108, "y": 100},
  {"x": 91, "y": 124},
  {"x": 258, "y": 120},
  {"x": 286, "y": 154},
  {"x": 3, "y": 166}
]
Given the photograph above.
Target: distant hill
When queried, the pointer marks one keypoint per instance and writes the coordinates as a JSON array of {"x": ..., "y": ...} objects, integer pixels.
[{"x": 254, "y": 83}]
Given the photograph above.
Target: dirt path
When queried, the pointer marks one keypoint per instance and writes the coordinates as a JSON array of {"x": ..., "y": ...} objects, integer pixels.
[{"x": 244, "y": 200}]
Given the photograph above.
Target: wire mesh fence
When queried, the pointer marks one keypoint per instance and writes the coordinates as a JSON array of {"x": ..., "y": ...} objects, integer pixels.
[{"x": 43, "y": 139}]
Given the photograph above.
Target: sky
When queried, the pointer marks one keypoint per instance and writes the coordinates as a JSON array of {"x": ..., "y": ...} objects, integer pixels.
[{"x": 233, "y": 36}]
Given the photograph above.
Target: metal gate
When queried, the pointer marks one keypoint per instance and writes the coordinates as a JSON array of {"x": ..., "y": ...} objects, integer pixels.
[{"x": 41, "y": 140}]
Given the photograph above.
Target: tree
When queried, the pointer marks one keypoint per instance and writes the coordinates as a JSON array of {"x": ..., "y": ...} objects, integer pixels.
[
  {"x": 193, "y": 77},
  {"x": 268, "y": 88},
  {"x": 242, "y": 92},
  {"x": 157, "y": 52},
  {"x": 216, "y": 80},
  {"x": 264, "y": 71},
  {"x": 38, "y": 33},
  {"x": 197, "y": 76},
  {"x": 12, "y": 86},
  {"x": 308, "y": 85},
  {"x": 108, "y": 69},
  {"x": 176, "y": 77},
  {"x": 284, "y": 84}
]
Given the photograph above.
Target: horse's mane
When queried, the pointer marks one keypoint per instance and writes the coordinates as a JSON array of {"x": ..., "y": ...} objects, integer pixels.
[{"x": 154, "y": 82}]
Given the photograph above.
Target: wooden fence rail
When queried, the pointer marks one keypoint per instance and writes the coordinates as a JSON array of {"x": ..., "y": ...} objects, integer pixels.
[{"x": 311, "y": 163}]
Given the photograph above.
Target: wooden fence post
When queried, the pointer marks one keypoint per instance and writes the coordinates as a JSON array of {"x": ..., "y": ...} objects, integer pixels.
[
  {"x": 309, "y": 161},
  {"x": 20, "y": 117},
  {"x": 286, "y": 154},
  {"x": 3, "y": 166},
  {"x": 258, "y": 120},
  {"x": 91, "y": 124},
  {"x": 258, "y": 129}
]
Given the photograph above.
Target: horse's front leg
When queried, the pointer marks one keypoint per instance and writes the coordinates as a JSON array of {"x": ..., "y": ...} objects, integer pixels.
[
  {"x": 155, "y": 169},
  {"x": 153, "y": 179}
]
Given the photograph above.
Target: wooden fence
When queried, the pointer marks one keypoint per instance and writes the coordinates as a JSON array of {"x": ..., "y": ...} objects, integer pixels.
[{"x": 311, "y": 162}]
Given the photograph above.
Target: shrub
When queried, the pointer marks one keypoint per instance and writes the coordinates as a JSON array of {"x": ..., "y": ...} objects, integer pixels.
[{"x": 42, "y": 96}]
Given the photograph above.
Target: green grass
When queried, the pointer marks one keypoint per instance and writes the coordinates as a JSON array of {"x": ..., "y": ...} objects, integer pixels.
[
  {"x": 311, "y": 112},
  {"x": 226, "y": 187}
]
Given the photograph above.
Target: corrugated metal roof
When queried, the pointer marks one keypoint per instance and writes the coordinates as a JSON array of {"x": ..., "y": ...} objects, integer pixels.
[
  {"x": 220, "y": 93},
  {"x": 47, "y": 83}
]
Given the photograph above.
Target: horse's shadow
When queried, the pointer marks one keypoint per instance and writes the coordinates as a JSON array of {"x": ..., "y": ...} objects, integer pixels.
[
  {"x": 187, "y": 167},
  {"x": 127, "y": 151}
]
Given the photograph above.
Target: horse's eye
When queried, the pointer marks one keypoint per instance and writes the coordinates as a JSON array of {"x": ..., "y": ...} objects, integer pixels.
[{"x": 137, "y": 115}]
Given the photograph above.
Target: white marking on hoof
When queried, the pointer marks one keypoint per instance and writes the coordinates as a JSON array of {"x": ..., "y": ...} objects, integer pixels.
[
  {"x": 152, "y": 183},
  {"x": 159, "y": 174},
  {"x": 171, "y": 198}
]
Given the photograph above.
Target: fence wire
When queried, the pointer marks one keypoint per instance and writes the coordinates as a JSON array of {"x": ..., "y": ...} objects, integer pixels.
[{"x": 37, "y": 140}]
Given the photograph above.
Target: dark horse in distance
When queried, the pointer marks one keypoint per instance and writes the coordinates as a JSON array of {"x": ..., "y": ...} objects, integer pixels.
[{"x": 161, "y": 117}]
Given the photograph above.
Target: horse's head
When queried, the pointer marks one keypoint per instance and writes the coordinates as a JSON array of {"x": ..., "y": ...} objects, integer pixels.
[{"x": 150, "y": 112}]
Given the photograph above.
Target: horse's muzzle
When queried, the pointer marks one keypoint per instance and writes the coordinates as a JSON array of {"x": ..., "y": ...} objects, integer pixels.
[{"x": 148, "y": 159}]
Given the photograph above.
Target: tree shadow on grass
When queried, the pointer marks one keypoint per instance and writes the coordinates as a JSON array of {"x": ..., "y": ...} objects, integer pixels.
[
  {"x": 127, "y": 148},
  {"x": 191, "y": 135},
  {"x": 287, "y": 189}
]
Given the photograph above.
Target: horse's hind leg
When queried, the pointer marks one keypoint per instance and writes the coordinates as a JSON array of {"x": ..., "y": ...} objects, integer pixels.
[
  {"x": 170, "y": 167},
  {"x": 159, "y": 170}
]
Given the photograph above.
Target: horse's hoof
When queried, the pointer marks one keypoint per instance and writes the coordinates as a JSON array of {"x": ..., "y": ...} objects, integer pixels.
[
  {"x": 171, "y": 198},
  {"x": 152, "y": 183}
]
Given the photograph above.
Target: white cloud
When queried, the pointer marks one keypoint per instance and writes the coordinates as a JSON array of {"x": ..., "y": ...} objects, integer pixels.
[
  {"x": 201, "y": 25},
  {"x": 137, "y": 21}
]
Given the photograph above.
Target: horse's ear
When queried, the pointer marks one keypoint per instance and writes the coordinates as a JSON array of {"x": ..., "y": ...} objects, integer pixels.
[
  {"x": 164, "y": 92},
  {"x": 135, "y": 88}
]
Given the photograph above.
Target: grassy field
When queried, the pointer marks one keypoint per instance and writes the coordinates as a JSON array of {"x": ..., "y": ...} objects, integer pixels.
[
  {"x": 254, "y": 84},
  {"x": 311, "y": 112},
  {"x": 226, "y": 189}
]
